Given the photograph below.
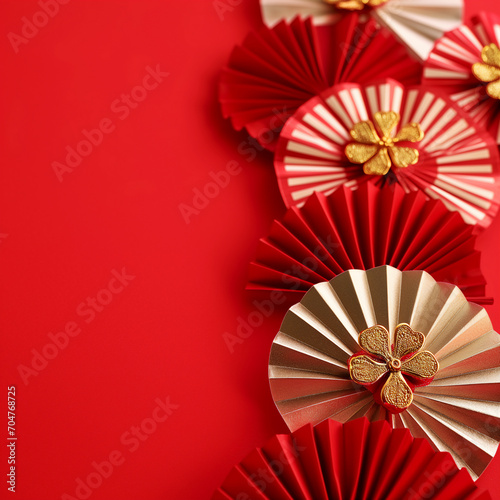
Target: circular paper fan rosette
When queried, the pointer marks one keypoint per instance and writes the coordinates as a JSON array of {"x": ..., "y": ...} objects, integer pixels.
[
  {"x": 277, "y": 70},
  {"x": 435, "y": 354},
  {"x": 366, "y": 228},
  {"x": 456, "y": 161},
  {"x": 417, "y": 23},
  {"x": 458, "y": 56},
  {"x": 357, "y": 460}
]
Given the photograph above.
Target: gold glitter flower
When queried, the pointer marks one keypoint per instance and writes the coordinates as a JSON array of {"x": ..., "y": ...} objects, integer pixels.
[
  {"x": 405, "y": 358},
  {"x": 354, "y": 4},
  {"x": 488, "y": 71},
  {"x": 376, "y": 147}
]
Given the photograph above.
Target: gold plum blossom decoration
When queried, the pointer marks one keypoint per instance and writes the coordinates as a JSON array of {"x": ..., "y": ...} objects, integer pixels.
[
  {"x": 354, "y": 4},
  {"x": 488, "y": 71},
  {"x": 376, "y": 146},
  {"x": 404, "y": 359}
]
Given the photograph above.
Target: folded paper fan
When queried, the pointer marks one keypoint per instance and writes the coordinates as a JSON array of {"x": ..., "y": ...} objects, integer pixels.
[
  {"x": 394, "y": 345},
  {"x": 417, "y": 23},
  {"x": 277, "y": 70},
  {"x": 358, "y": 460},
  {"x": 384, "y": 133},
  {"x": 365, "y": 228},
  {"x": 463, "y": 64}
]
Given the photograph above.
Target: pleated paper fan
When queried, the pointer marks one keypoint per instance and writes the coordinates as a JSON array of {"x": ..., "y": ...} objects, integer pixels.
[
  {"x": 451, "y": 64},
  {"x": 353, "y": 461},
  {"x": 277, "y": 70},
  {"x": 323, "y": 146},
  {"x": 366, "y": 228},
  {"x": 442, "y": 378},
  {"x": 417, "y": 23}
]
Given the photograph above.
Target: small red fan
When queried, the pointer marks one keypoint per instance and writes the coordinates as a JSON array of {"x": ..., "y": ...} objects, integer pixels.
[
  {"x": 277, "y": 70},
  {"x": 357, "y": 460},
  {"x": 365, "y": 228},
  {"x": 464, "y": 63}
]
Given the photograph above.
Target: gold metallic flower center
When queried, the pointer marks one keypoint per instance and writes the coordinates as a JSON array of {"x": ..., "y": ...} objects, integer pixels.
[
  {"x": 394, "y": 365},
  {"x": 488, "y": 71},
  {"x": 376, "y": 146},
  {"x": 354, "y": 4},
  {"x": 403, "y": 359}
]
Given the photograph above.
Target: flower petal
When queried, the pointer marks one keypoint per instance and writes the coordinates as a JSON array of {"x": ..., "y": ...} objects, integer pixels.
[
  {"x": 360, "y": 153},
  {"x": 364, "y": 370},
  {"x": 422, "y": 365},
  {"x": 493, "y": 89},
  {"x": 365, "y": 133},
  {"x": 380, "y": 164},
  {"x": 403, "y": 157},
  {"x": 491, "y": 55},
  {"x": 386, "y": 122},
  {"x": 349, "y": 5},
  {"x": 375, "y": 340},
  {"x": 411, "y": 132},
  {"x": 406, "y": 340},
  {"x": 396, "y": 392},
  {"x": 485, "y": 72}
]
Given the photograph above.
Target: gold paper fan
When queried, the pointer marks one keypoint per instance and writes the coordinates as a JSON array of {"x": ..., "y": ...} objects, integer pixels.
[{"x": 458, "y": 412}]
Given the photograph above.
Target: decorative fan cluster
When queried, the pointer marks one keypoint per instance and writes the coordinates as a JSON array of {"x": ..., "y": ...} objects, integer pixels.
[
  {"x": 383, "y": 117},
  {"x": 356, "y": 460}
]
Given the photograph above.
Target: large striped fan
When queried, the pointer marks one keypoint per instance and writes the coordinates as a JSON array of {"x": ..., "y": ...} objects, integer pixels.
[
  {"x": 366, "y": 228},
  {"x": 456, "y": 60},
  {"x": 310, "y": 366},
  {"x": 358, "y": 460},
  {"x": 277, "y": 70},
  {"x": 417, "y": 23},
  {"x": 335, "y": 139}
]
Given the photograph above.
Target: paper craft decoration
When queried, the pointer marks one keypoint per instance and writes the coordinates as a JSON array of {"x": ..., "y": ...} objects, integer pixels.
[
  {"x": 466, "y": 64},
  {"x": 357, "y": 460},
  {"x": 366, "y": 228},
  {"x": 417, "y": 23},
  {"x": 277, "y": 70},
  {"x": 352, "y": 134},
  {"x": 311, "y": 357}
]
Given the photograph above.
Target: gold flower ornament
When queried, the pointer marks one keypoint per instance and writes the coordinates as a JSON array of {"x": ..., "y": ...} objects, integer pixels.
[
  {"x": 377, "y": 148},
  {"x": 404, "y": 359},
  {"x": 354, "y": 4},
  {"x": 488, "y": 71}
]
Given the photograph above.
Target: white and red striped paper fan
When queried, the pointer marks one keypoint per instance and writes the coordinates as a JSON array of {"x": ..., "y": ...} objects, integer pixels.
[
  {"x": 275, "y": 71},
  {"x": 358, "y": 460},
  {"x": 459, "y": 161},
  {"x": 366, "y": 228},
  {"x": 449, "y": 67},
  {"x": 417, "y": 23}
]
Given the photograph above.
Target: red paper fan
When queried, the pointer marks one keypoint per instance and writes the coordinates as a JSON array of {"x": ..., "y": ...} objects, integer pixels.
[
  {"x": 276, "y": 70},
  {"x": 357, "y": 460},
  {"x": 367, "y": 228},
  {"x": 450, "y": 67},
  {"x": 458, "y": 160}
]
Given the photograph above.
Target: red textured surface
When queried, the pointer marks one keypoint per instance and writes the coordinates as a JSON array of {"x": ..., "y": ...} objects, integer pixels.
[{"x": 163, "y": 334}]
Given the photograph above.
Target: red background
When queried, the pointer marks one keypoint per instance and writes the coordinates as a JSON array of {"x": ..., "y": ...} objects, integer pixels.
[{"x": 163, "y": 334}]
